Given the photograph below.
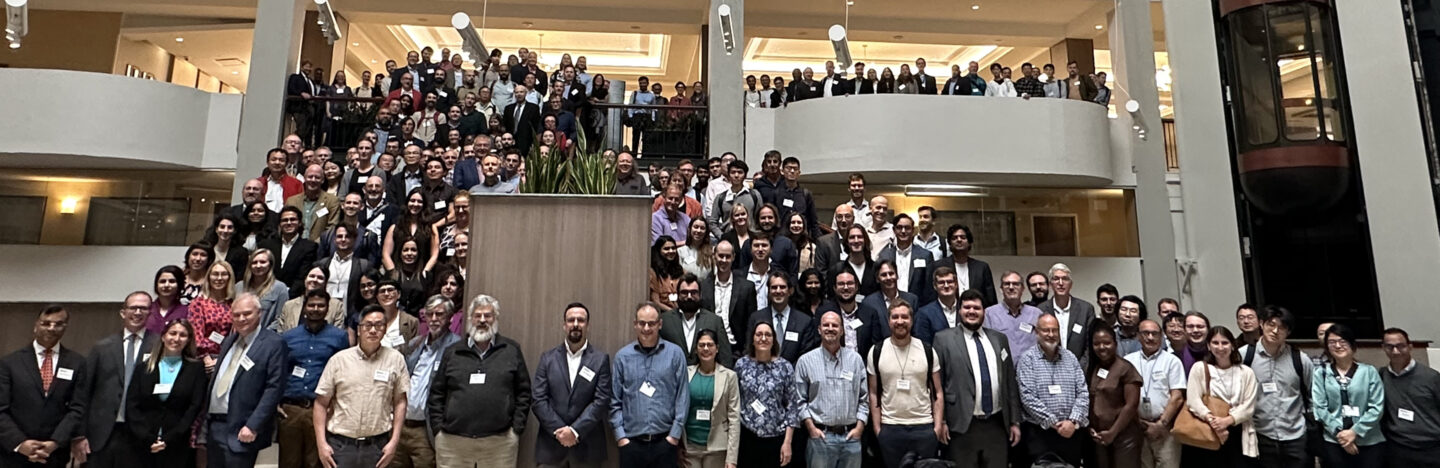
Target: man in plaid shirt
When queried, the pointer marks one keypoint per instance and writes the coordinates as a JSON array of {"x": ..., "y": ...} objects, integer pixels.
[
  {"x": 1029, "y": 86},
  {"x": 1053, "y": 390}
]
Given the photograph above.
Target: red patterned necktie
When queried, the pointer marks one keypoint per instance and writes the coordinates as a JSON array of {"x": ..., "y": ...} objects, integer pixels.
[{"x": 47, "y": 371}]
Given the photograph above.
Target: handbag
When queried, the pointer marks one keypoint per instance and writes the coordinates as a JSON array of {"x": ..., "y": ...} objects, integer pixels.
[{"x": 1192, "y": 431}]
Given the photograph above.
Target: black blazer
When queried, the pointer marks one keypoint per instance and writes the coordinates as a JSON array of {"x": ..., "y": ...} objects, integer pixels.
[
  {"x": 298, "y": 84},
  {"x": 584, "y": 405},
  {"x": 807, "y": 336},
  {"x": 870, "y": 284},
  {"x": 927, "y": 84},
  {"x": 742, "y": 301},
  {"x": 838, "y": 86},
  {"x": 27, "y": 412},
  {"x": 827, "y": 251},
  {"x": 170, "y": 420},
  {"x": 239, "y": 259},
  {"x": 805, "y": 91},
  {"x": 525, "y": 127},
  {"x": 922, "y": 263},
  {"x": 980, "y": 280},
  {"x": 873, "y": 326},
  {"x": 672, "y": 329},
  {"x": 301, "y": 258},
  {"x": 104, "y": 383},
  {"x": 862, "y": 86}
]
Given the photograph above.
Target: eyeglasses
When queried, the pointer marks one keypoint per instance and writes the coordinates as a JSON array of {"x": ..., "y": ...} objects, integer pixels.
[
  {"x": 372, "y": 326},
  {"x": 1394, "y": 347},
  {"x": 1337, "y": 343},
  {"x": 647, "y": 323},
  {"x": 137, "y": 308},
  {"x": 1150, "y": 333}
]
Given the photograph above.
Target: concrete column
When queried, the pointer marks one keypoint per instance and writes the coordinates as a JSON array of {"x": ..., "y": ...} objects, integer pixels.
[
  {"x": 1133, "y": 57},
  {"x": 1389, "y": 140},
  {"x": 274, "y": 56},
  {"x": 723, "y": 77}
]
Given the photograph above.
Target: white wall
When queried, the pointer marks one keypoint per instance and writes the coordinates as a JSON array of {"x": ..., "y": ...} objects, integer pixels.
[
  {"x": 123, "y": 119},
  {"x": 46, "y": 273},
  {"x": 895, "y": 138}
]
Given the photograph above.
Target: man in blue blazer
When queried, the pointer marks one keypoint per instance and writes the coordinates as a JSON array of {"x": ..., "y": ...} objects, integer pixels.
[
  {"x": 916, "y": 261},
  {"x": 861, "y": 321},
  {"x": 250, "y": 377},
  {"x": 572, "y": 401},
  {"x": 466, "y": 173},
  {"x": 942, "y": 314}
]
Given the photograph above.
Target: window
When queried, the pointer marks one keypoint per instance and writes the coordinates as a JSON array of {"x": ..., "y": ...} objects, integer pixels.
[
  {"x": 20, "y": 219},
  {"x": 130, "y": 221}
]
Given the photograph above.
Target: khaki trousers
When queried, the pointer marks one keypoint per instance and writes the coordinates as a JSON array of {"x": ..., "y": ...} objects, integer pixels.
[
  {"x": 296, "y": 435},
  {"x": 414, "y": 450},
  {"x": 497, "y": 451},
  {"x": 1163, "y": 453}
]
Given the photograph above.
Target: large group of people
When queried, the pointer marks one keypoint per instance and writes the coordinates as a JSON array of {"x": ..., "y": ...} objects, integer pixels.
[{"x": 1034, "y": 82}]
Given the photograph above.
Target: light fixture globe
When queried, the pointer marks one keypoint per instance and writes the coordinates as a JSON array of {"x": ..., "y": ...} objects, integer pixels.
[
  {"x": 460, "y": 20},
  {"x": 837, "y": 33}
]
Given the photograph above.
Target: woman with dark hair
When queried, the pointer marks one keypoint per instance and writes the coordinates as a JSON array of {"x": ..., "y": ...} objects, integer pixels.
[
  {"x": 440, "y": 193},
  {"x": 767, "y": 381},
  {"x": 1114, "y": 402},
  {"x": 665, "y": 272},
  {"x": 1349, "y": 401},
  {"x": 811, "y": 292},
  {"x": 226, "y": 243},
  {"x": 887, "y": 82},
  {"x": 592, "y": 119},
  {"x": 698, "y": 254},
  {"x": 407, "y": 131},
  {"x": 260, "y": 224},
  {"x": 198, "y": 258},
  {"x": 332, "y": 173},
  {"x": 362, "y": 294},
  {"x": 858, "y": 260},
  {"x": 906, "y": 84},
  {"x": 456, "y": 220},
  {"x": 260, "y": 281},
  {"x": 457, "y": 254},
  {"x": 414, "y": 281},
  {"x": 1222, "y": 375},
  {"x": 412, "y": 225},
  {"x": 798, "y": 233},
  {"x": 167, "y": 394},
  {"x": 166, "y": 307},
  {"x": 713, "y": 441}
]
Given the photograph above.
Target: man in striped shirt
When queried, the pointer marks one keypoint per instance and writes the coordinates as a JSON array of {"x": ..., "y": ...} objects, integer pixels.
[{"x": 1053, "y": 390}]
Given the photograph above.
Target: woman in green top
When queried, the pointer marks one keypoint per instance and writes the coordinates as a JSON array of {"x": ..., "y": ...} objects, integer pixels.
[
  {"x": 1349, "y": 400},
  {"x": 712, "y": 427}
]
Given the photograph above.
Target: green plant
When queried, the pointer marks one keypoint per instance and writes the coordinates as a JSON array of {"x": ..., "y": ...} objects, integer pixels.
[
  {"x": 544, "y": 173},
  {"x": 583, "y": 173}
]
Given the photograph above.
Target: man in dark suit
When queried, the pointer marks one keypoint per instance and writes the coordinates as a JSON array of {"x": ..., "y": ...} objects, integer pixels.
[
  {"x": 571, "y": 403},
  {"x": 796, "y": 332},
  {"x": 860, "y": 85},
  {"x": 40, "y": 407},
  {"x": 990, "y": 389},
  {"x": 249, "y": 381},
  {"x": 976, "y": 274},
  {"x": 728, "y": 284},
  {"x": 682, "y": 326},
  {"x": 294, "y": 253},
  {"x": 573, "y": 94},
  {"x": 299, "y": 110},
  {"x": 888, "y": 294},
  {"x": 104, "y": 440},
  {"x": 522, "y": 119},
  {"x": 345, "y": 238},
  {"x": 862, "y": 322},
  {"x": 1074, "y": 313},
  {"x": 926, "y": 82},
  {"x": 253, "y": 191},
  {"x": 832, "y": 84},
  {"x": 830, "y": 246},
  {"x": 911, "y": 261},
  {"x": 944, "y": 312}
]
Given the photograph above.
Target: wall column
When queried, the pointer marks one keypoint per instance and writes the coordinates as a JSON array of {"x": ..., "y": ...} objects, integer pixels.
[
  {"x": 1082, "y": 51},
  {"x": 273, "y": 57},
  {"x": 723, "y": 71}
]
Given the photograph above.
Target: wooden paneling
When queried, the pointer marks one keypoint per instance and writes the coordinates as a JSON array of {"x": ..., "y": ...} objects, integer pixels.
[{"x": 538, "y": 253}]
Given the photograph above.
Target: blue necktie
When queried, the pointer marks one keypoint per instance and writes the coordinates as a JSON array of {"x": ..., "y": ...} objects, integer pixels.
[{"x": 986, "y": 399}]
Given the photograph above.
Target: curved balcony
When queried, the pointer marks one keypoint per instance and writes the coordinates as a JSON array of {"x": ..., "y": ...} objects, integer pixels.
[
  {"x": 909, "y": 139},
  {"x": 68, "y": 119}
]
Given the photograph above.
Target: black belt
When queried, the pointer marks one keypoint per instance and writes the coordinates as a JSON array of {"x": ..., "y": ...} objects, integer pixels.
[
  {"x": 297, "y": 402},
  {"x": 414, "y": 423},
  {"x": 648, "y": 437},
  {"x": 377, "y": 439},
  {"x": 837, "y": 430}
]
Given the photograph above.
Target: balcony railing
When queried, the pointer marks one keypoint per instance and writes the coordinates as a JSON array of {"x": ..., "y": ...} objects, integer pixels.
[{"x": 658, "y": 132}]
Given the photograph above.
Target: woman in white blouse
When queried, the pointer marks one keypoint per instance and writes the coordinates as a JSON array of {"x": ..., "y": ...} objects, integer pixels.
[
  {"x": 697, "y": 255},
  {"x": 1234, "y": 383}
]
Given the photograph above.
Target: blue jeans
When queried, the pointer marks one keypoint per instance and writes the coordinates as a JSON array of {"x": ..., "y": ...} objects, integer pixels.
[{"x": 832, "y": 451}]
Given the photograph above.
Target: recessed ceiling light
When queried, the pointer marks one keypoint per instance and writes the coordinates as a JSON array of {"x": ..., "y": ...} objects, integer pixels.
[
  {"x": 974, "y": 7},
  {"x": 234, "y": 73},
  {"x": 374, "y": 61},
  {"x": 179, "y": 39},
  {"x": 1099, "y": 26},
  {"x": 356, "y": 44}
]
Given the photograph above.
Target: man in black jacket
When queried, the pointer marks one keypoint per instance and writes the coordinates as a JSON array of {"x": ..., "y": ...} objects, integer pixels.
[
  {"x": 299, "y": 110},
  {"x": 522, "y": 119},
  {"x": 294, "y": 253},
  {"x": 727, "y": 283},
  {"x": 104, "y": 440},
  {"x": 480, "y": 394},
  {"x": 39, "y": 405},
  {"x": 572, "y": 403}
]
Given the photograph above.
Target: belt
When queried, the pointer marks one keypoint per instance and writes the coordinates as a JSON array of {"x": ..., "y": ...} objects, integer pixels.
[
  {"x": 297, "y": 402},
  {"x": 648, "y": 437},
  {"x": 414, "y": 423},
  {"x": 837, "y": 430},
  {"x": 377, "y": 439}
]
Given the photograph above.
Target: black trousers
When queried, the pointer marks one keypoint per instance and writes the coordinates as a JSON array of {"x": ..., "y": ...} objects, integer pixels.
[
  {"x": 896, "y": 441},
  {"x": 120, "y": 451},
  {"x": 1400, "y": 456},
  {"x": 1285, "y": 453},
  {"x": 1042, "y": 441},
  {"x": 1370, "y": 456},
  {"x": 985, "y": 445},
  {"x": 759, "y": 452},
  {"x": 1229, "y": 455},
  {"x": 657, "y": 453}
]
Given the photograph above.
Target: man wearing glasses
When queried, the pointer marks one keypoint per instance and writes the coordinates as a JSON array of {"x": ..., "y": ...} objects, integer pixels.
[
  {"x": 650, "y": 397},
  {"x": 480, "y": 395},
  {"x": 1162, "y": 394},
  {"x": 104, "y": 439},
  {"x": 1412, "y": 417},
  {"x": 793, "y": 198},
  {"x": 1013, "y": 317},
  {"x": 415, "y": 448},
  {"x": 1284, "y": 387},
  {"x": 682, "y": 326},
  {"x": 366, "y": 384},
  {"x": 401, "y": 327}
]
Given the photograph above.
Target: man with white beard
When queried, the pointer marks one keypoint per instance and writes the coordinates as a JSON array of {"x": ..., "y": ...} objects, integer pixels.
[{"x": 479, "y": 395}]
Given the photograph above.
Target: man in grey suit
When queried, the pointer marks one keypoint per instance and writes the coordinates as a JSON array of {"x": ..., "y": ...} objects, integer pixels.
[
  {"x": 727, "y": 293},
  {"x": 971, "y": 273},
  {"x": 572, "y": 398},
  {"x": 913, "y": 263},
  {"x": 1073, "y": 313},
  {"x": 104, "y": 440},
  {"x": 982, "y": 396},
  {"x": 830, "y": 246},
  {"x": 682, "y": 326}
]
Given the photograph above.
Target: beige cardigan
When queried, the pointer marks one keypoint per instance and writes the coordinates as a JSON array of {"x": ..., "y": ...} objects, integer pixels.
[
  {"x": 1236, "y": 386},
  {"x": 724, "y": 414}
]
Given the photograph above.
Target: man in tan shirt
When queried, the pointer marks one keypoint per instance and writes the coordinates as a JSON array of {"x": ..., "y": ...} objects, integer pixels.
[{"x": 367, "y": 385}]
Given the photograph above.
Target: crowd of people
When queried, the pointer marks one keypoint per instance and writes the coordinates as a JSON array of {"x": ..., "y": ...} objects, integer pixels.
[{"x": 1037, "y": 82}]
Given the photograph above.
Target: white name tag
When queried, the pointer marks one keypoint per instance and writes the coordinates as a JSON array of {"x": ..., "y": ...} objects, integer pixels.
[
  {"x": 1269, "y": 387},
  {"x": 1406, "y": 415},
  {"x": 477, "y": 379},
  {"x": 646, "y": 389},
  {"x": 298, "y": 372},
  {"x": 393, "y": 342},
  {"x": 902, "y": 384},
  {"x": 674, "y": 226},
  {"x": 792, "y": 336},
  {"x": 1054, "y": 389},
  {"x": 64, "y": 374},
  {"x": 788, "y": 203},
  {"x": 1351, "y": 411},
  {"x": 442, "y": 93},
  {"x": 759, "y": 408},
  {"x": 587, "y": 374},
  {"x": 320, "y": 213},
  {"x": 1158, "y": 375},
  {"x": 919, "y": 263},
  {"x": 1004, "y": 354},
  {"x": 847, "y": 375},
  {"x": 440, "y": 205},
  {"x": 450, "y": 252},
  {"x": 673, "y": 296},
  {"x": 702, "y": 415},
  {"x": 362, "y": 179},
  {"x": 382, "y": 376},
  {"x": 854, "y": 324},
  {"x": 162, "y": 388},
  {"x": 216, "y": 337},
  {"x": 145, "y": 357},
  {"x": 246, "y": 363},
  {"x": 1027, "y": 328},
  {"x": 1077, "y": 329},
  {"x": 1102, "y": 373}
]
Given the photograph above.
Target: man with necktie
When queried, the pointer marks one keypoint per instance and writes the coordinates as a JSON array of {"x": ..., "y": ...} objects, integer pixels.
[
  {"x": 103, "y": 440},
  {"x": 39, "y": 408},
  {"x": 249, "y": 381},
  {"x": 982, "y": 409}
]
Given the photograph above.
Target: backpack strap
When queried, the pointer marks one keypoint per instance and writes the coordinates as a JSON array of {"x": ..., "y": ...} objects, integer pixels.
[
  {"x": 1250, "y": 353},
  {"x": 1304, "y": 378},
  {"x": 875, "y": 364}
]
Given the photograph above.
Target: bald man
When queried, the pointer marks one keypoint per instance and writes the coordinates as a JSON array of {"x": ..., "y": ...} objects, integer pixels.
[{"x": 827, "y": 255}]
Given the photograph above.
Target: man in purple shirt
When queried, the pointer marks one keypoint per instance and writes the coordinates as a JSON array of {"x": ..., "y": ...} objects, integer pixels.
[
  {"x": 1012, "y": 317},
  {"x": 671, "y": 220}
]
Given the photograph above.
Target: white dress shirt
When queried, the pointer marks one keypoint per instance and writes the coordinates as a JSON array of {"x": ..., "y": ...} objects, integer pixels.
[
  {"x": 1003, "y": 88},
  {"x": 962, "y": 275},
  {"x": 572, "y": 360},
  {"x": 722, "y": 303},
  {"x": 339, "y": 282},
  {"x": 1063, "y": 316},
  {"x": 991, "y": 361},
  {"x": 274, "y": 195},
  {"x": 902, "y": 267}
]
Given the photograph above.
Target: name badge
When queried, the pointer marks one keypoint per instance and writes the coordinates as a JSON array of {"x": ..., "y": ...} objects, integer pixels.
[
  {"x": 587, "y": 374},
  {"x": 788, "y": 203},
  {"x": 847, "y": 375},
  {"x": 1004, "y": 355},
  {"x": 702, "y": 415},
  {"x": 246, "y": 363},
  {"x": 673, "y": 296},
  {"x": 362, "y": 179},
  {"x": 919, "y": 263},
  {"x": 477, "y": 378},
  {"x": 759, "y": 408},
  {"x": 64, "y": 374},
  {"x": 1027, "y": 328},
  {"x": 1102, "y": 373},
  {"x": 322, "y": 212},
  {"x": 298, "y": 372},
  {"x": 1054, "y": 389},
  {"x": 162, "y": 388},
  {"x": 441, "y": 92},
  {"x": 1406, "y": 415},
  {"x": 646, "y": 389},
  {"x": 1158, "y": 375},
  {"x": 792, "y": 336},
  {"x": 902, "y": 384},
  {"x": 393, "y": 342},
  {"x": 145, "y": 357},
  {"x": 674, "y": 226},
  {"x": 855, "y": 324},
  {"x": 450, "y": 252},
  {"x": 1269, "y": 387},
  {"x": 812, "y": 88},
  {"x": 440, "y": 205},
  {"x": 1350, "y": 411},
  {"x": 1077, "y": 328},
  {"x": 216, "y": 337}
]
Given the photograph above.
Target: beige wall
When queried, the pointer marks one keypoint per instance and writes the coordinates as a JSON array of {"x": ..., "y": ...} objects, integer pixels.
[
  {"x": 183, "y": 73},
  {"x": 68, "y": 40},
  {"x": 142, "y": 55}
]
